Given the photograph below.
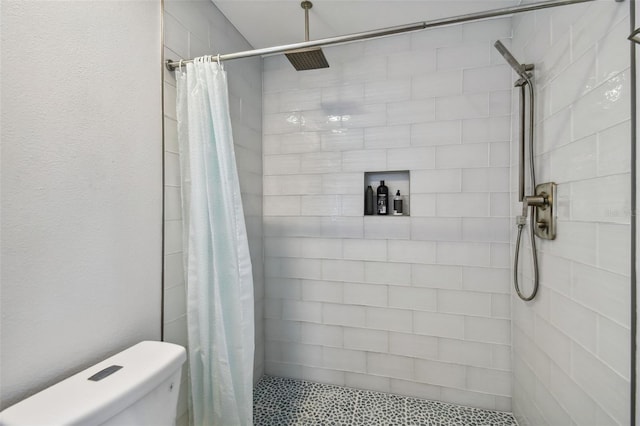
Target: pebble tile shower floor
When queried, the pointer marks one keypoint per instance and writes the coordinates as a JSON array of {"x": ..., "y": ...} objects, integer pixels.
[{"x": 279, "y": 401}]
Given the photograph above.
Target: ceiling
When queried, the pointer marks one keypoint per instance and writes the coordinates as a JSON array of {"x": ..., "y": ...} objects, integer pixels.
[{"x": 267, "y": 23}]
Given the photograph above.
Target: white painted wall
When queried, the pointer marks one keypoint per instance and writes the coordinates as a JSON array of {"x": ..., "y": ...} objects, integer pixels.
[
  {"x": 191, "y": 29},
  {"x": 413, "y": 305},
  {"x": 571, "y": 344},
  {"x": 81, "y": 193}
]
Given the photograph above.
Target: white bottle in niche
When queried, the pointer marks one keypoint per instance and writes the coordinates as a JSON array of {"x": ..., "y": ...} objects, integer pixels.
[{"x": 397, "y": 204}]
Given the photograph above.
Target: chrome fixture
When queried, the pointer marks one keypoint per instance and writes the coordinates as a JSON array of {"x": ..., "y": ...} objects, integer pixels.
[
  {"x": 524, "y": 71},
  {"x": 541, "y": 203},
  {"x": 172, "y": 65},
  {"x": 310, "y": 58},
  {"x": 521, "y": 69},
  {"x": 635, "y": 36},
  {"x": 545, "y": 208}
]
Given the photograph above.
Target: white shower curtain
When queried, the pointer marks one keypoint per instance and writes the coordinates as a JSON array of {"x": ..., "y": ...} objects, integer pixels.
[{"x": 217, "y": 263}]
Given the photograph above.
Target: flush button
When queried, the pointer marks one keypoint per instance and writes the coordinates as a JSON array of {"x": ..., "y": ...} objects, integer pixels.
[{"x": 104, "y": 373}]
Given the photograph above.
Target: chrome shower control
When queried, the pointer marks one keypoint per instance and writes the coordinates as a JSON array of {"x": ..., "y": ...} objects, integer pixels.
[
  {"x": 540, "y": 200},
  {"x": 545, "y": 210}
]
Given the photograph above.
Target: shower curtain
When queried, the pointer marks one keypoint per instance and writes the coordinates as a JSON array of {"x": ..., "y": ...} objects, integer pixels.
[{"x": 216, "y": 252}]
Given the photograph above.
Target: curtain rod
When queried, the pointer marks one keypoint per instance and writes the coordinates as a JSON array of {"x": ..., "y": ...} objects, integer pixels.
[{"x": 172, "y": 65}]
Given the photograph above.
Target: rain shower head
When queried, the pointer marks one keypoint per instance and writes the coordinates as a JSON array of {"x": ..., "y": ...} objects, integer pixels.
[
  {"x": 307, "y": 59},
  {"x": 520, "y": 69},
  {"x": 310, "y": 58}
]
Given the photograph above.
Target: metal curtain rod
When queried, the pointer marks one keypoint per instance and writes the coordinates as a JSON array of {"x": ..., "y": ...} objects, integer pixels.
[{"x": 172, "y": 65}]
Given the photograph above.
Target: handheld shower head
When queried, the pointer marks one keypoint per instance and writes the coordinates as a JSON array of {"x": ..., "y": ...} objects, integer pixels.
[{"x": 520, "y": 69}]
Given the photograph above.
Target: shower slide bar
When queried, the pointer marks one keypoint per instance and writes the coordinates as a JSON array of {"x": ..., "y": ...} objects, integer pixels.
[{"x": 172, "y": 65}]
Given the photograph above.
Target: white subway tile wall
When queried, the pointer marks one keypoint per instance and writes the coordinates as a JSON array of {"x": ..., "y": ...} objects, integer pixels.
[
  {"x": 415, "y": 305},
  {"x": 571, "y": 345},
  {"x": 191, "y": 29}
]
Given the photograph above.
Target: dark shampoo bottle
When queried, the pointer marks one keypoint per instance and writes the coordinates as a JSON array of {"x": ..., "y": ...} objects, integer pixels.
[
  {"x": 368, "y": 201},
  {"x": 383, "y": 199}
]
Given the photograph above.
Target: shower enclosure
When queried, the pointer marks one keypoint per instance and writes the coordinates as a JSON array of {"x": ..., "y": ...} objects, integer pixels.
[{"x": 422, "y": 305}]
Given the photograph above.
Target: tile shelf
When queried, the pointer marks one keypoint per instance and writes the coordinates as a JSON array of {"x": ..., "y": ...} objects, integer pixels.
[{"x": 395, "y": 180}]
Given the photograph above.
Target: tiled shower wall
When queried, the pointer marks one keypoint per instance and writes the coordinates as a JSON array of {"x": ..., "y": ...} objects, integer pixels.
[
  {"x": 571, "y": 345},
  {"x": 414, "y": 305},
  {"x": 191, "y": 29}
]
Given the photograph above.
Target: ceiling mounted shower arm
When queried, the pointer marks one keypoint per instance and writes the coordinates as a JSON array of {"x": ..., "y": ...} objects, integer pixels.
[{"x": 306, "y": 5}]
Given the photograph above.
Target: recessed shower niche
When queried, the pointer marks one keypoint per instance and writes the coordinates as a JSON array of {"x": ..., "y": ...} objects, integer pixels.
[{"x": 398, "y": 180}]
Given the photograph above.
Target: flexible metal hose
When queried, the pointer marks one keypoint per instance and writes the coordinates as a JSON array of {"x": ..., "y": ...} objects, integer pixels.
[
  {"x": 522, "y": 219},
  {"x": 534, "y": 255}
]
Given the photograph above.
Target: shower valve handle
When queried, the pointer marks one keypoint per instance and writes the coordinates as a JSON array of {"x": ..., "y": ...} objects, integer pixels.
[{"x": 541, "y": 201}]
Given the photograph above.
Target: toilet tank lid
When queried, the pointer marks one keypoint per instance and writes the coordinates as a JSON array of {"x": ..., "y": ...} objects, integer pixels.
[{"x": 78, "y": 400}]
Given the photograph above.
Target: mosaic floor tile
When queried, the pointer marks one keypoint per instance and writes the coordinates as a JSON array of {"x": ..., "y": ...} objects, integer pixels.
[
  {"x": 279, "y": 401},
  {"x": 380, "y": 408}
]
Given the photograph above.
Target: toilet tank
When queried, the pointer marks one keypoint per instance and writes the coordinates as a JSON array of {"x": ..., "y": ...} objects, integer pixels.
[{"x": 138, "y": 386}]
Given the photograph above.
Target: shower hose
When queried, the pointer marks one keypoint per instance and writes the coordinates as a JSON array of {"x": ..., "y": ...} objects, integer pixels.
[{"x": 522, "y": 220}]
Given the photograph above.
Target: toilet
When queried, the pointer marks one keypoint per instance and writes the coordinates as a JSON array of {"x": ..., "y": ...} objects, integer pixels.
[{"x": 136, "y": 387}]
